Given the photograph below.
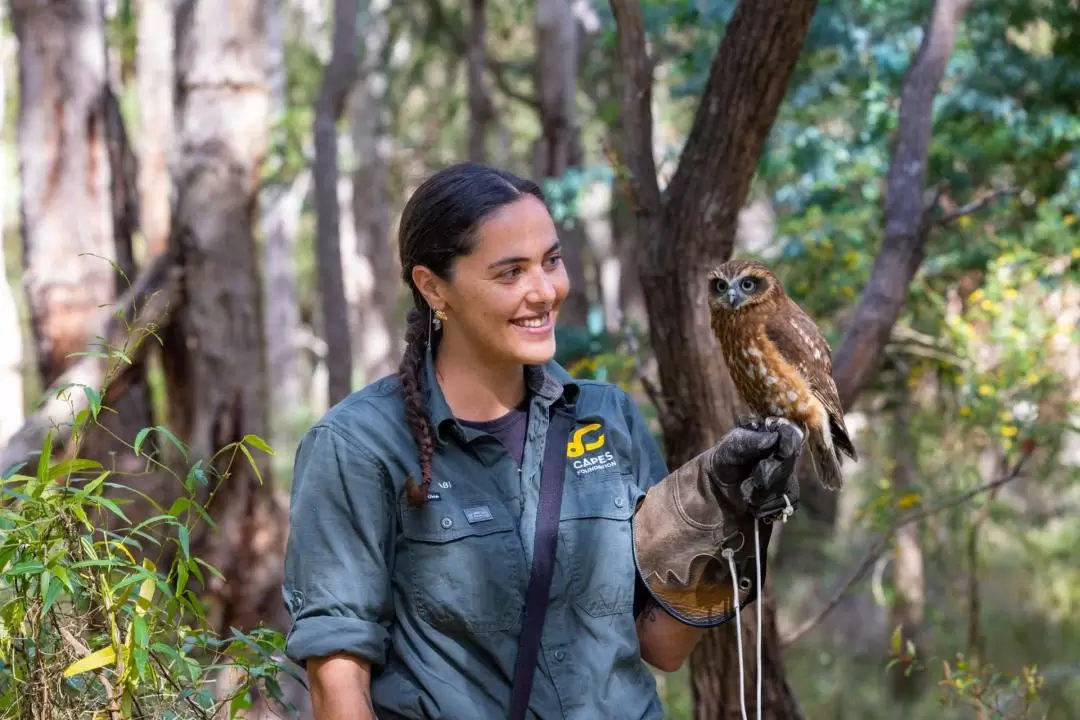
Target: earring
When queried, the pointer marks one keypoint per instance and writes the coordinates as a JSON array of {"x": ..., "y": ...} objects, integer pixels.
[{"x": 440, "y": 315}]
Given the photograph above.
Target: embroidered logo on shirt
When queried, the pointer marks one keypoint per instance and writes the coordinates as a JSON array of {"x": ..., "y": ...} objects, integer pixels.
[
  {"x": 478, "y": 514},
  {"x": 582, "y": 449}
]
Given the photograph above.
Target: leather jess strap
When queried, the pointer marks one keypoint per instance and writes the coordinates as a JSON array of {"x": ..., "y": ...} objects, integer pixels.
[{"x": 552, "y": 474}]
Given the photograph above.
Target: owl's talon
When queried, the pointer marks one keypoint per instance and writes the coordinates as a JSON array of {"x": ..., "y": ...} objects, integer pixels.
[{"x": 750, "y": 421}]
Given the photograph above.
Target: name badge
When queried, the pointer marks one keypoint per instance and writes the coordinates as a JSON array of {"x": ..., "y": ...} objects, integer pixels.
[{"x": 478, "y": 514}]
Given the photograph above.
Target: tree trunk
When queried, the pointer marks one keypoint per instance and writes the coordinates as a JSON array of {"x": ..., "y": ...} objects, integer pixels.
[
  {"x": 215, "y": 347},
  {"x": 339, "y": 76},
  {"x": 154, "y": 60},
  {"x": 76, "y": 205},
  {"x": 479, "y": 102},
  {"x": 376, "y": 319},
  {"x": 280, "y": 205},
  {"x": 11, "y": 350},
  {"x": 906, "y": 678},
  {"x": 684, "y": 232},
  {"x": 558, "y": 149},
  {"x": 67, "y": 223}
]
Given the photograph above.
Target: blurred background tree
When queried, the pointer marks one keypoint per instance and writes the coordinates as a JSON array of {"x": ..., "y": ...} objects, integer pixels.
[{"x": 909, "y": 169}]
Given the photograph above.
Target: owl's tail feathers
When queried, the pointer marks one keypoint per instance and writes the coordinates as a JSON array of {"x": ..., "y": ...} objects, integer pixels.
[{"x": 826, "y": 460}]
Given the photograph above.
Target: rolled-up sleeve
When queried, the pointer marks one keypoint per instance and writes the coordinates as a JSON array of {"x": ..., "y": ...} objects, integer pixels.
[{"x": 339, "y": 553}]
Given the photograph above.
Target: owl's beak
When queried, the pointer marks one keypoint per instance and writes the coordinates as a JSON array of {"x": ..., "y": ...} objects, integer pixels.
[{"x": 735, "y": 297}]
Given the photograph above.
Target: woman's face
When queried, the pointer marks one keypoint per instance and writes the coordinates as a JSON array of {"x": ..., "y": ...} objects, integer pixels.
[{"x": 503, "y": 298}]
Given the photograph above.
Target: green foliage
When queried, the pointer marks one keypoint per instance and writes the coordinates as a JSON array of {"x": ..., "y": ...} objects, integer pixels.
[{"x": 100, "y": 614}]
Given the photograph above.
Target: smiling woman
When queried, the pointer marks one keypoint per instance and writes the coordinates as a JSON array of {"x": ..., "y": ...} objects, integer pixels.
[{"x": 416, "y": 501}]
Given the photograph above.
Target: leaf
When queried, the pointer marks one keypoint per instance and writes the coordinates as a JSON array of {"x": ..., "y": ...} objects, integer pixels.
[
  {"x": 182, "y": 533},
  {"x": 94, "y": 398},
  {"x": 258, "y": 443},
  {"x": 251, "y": 460},
  {"x": 140, "y": 438},
  {"x": 93, "y": 661}
]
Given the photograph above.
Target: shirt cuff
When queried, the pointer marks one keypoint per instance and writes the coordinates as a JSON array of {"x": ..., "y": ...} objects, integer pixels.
[{"x": 328, "y": 634}]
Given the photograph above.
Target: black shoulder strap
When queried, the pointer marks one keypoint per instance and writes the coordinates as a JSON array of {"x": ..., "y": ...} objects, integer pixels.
[{"x": 552, "y": 473}]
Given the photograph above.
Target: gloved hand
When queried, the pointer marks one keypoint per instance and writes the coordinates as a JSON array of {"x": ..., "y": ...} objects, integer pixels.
[{"x": 688, "y": 520}]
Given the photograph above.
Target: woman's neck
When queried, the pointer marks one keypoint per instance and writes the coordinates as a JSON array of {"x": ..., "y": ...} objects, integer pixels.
[{"x": 477, "y": 390}]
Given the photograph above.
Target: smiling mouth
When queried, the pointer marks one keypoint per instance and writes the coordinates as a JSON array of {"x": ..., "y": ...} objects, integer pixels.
[{"x": 532, "y": 322}]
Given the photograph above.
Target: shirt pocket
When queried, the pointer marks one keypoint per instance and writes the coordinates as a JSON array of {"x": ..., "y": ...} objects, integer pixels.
[
  {"x": 466, "y": 565},
  {"x": 595, "y": 528}
]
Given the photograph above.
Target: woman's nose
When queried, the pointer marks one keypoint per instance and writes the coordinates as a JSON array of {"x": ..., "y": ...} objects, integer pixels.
[{"x": 542, "y": 289}]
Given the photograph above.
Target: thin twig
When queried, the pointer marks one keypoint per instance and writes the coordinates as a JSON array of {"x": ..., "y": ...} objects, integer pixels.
[
  {"x": 976, "y": 205},
  {"x": 881, "y": 543}
]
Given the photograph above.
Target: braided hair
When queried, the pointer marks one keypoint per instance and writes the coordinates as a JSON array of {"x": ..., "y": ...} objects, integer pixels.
[{"x": 438, "y": 225}]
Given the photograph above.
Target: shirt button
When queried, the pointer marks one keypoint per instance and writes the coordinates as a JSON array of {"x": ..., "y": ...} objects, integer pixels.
[
  {"x": 560, "y": 655},
  {"x": 618, "y": 502},
  {"x": 447, "y": 523}
]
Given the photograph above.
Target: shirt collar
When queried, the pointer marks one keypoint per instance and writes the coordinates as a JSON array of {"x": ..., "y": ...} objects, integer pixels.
[{"x": 550, "y": 382}]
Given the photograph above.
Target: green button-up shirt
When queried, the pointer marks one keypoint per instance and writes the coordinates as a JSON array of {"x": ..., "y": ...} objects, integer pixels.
[{"x": 433, "y": 596}]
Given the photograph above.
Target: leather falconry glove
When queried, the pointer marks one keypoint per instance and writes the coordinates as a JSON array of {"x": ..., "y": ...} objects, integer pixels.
[{"x": 685, "y": 522}]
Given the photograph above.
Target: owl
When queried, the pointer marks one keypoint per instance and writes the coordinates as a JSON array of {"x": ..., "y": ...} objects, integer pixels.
[{"x": 779, "y": 360}]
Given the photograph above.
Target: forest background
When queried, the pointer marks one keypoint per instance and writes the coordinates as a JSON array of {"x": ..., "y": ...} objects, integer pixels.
[{"x": 199, "y": 213}]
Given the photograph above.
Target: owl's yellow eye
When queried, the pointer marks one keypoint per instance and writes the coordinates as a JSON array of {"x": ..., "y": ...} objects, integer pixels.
[{"x": 720, "y": 285}]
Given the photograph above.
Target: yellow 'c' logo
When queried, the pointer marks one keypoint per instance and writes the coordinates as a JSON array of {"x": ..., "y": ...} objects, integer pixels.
[{"x": 577, "y": 447}]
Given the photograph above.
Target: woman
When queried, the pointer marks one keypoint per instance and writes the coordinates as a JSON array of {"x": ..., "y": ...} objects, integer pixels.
[{"x": 415, "y": 501}]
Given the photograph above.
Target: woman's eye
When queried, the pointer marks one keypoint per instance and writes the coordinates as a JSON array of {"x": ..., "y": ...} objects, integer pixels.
[
  {"x": 554, "y": 260},
  {"x": 510, "y": 274},
  {"x": 748, "y": 284}
]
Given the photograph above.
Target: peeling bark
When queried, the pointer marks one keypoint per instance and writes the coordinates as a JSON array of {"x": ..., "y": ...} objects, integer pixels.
[
  {"x": 67, "y": 224},
  {"x": 78, "y": 208}
]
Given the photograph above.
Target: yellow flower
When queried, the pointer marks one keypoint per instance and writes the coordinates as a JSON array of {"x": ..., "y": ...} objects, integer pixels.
[
  {"x": 1005, "y": 415},
  {"x": 1031, "y": 378},
  {"x": 1076, "y": 252},
  {"x": 851, "y": 258},
  {"x": 987, "y": 305},
  {"x": 965, "y": 411},
  {"x": 986, "y": 390},
  {"x": 1069, "y": 220},
  {"x": 976, "y": 296},
  {"x": 908, "y": 500},
  {"x": 848, "y": 292},
  {"x": 1009, "y": 431},
  {"x": 1010, "y": 293},
  {"x": 1007, "y": 444}
]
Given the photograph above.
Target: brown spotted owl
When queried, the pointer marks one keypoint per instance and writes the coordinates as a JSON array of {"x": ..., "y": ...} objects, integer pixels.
[{"x": 779, "y": 360}]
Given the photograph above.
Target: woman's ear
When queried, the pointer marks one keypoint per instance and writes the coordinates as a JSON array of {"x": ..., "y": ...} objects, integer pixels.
[{"x": 430, "y": 285}]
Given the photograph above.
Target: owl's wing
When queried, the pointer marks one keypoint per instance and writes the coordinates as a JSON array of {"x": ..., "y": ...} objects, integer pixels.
[{"x": 801, "y": 343}]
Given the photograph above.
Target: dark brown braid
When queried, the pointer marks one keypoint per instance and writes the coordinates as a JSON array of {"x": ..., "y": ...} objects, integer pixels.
[
  {"x": 411, "y": 372},
  {"x": 438, "y": 225}
]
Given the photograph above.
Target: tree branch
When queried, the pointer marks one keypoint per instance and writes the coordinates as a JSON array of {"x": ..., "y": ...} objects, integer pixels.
[
  {"x": 881, "y": 544},
  {"x": 976, "y": 205},
  {"x": 144, "y": 308},
  {"x": 747, "y": 82},
  {"x": 460, "y": 46},
  {"x": 907, "y": 209}
]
